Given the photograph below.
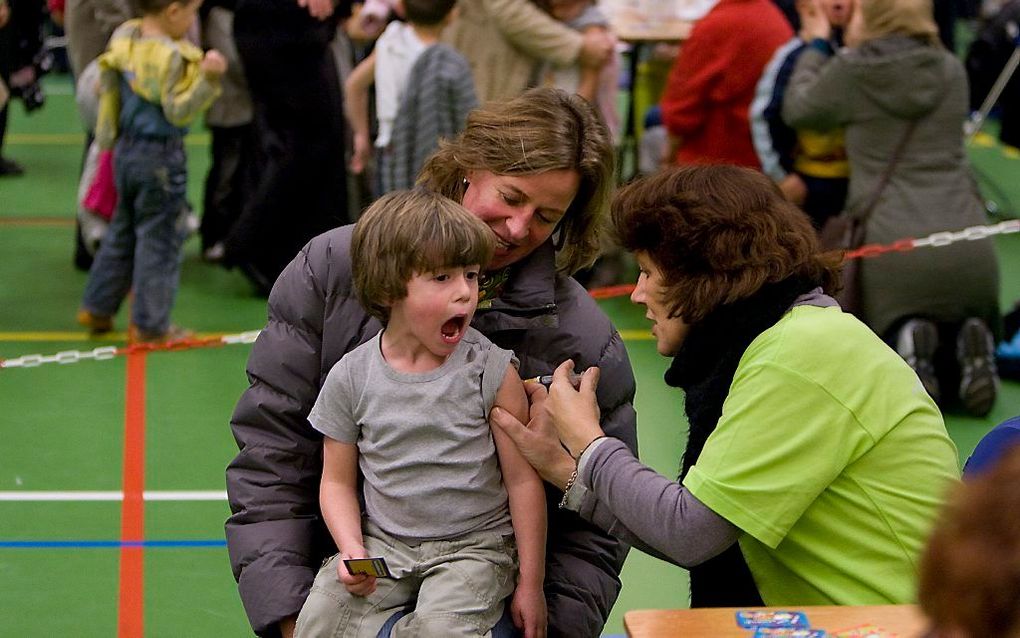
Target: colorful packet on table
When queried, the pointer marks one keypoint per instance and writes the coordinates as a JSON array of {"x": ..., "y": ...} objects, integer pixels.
[
  {"x": 772, "y": 619},
  {"x": 789, "y": 632},
  {"x": 865, "y": 631}
]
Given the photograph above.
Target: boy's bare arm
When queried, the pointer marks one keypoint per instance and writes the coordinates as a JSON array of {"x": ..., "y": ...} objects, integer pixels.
[
  {"x": 527, "y": 511},
  {"x": 356, "y": 108},
  {"x": 338, "y": 498}
]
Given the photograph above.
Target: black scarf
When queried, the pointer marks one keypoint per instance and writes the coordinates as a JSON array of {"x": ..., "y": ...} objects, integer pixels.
[{"x": 704, "y": 369}]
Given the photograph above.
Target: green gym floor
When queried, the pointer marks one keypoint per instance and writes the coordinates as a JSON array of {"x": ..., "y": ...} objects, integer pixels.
[{"x": 111, "y": 471}]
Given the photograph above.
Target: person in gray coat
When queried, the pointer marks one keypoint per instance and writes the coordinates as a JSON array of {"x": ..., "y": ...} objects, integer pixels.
[
  {"x": 937, "y": 307},
  {"x": 538, "y": 170}
]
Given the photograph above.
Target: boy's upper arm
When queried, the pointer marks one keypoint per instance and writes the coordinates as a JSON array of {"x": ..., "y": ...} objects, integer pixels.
[
  {"x": 512, "y": 398},
  {"x": 339, "y": 461}
]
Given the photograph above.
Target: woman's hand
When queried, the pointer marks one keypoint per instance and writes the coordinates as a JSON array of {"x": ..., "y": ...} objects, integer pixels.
[
  {"x": 574, "y": 413},
  {"x": 537, "y": 441},
  {"x": 813, "y": 23}
]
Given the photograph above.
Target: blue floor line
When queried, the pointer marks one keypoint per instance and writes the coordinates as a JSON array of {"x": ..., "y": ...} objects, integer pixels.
[{"x": 109, "y": 544}]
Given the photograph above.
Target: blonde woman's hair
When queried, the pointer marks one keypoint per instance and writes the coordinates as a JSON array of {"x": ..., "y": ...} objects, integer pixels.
[
  {"x": 913, "y": 18},
  {"x": 541, "y": 130},
  {"x": 408, "y": 232}
]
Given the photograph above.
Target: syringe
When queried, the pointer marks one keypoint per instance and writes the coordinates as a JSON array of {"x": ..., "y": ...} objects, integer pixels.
[{"x": 547, "y": 379}]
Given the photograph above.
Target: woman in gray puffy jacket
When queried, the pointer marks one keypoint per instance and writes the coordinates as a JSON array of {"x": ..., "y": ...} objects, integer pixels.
[{"x": 538, "y": 170}]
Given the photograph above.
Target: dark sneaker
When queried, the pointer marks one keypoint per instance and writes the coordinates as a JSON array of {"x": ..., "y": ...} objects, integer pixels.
[
  {"x": 917, "y": 342},
  {"x": 10, "y": 168},
  {"x": 979, "y": 378},
  {"x": 96, "y": 324}
]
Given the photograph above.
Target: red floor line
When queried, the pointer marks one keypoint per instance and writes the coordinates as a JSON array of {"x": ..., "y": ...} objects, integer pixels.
[{"x": 130, "y": 609}]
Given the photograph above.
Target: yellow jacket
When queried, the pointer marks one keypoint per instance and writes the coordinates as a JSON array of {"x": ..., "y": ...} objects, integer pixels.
[{"x": 168, "y": 88}]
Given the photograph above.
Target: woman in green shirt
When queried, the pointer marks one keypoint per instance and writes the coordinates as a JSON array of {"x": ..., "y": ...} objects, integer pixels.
[{"x": 815, "y": 462}]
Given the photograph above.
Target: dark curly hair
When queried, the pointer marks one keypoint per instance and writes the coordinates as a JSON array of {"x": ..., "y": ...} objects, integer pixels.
[{"x": 718, "y": 234}]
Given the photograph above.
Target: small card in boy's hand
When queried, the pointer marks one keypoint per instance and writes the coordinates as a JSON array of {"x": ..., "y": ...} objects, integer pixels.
[
  {"x": 375, "y": 566},
  {"x": 772, "y": 619},
  {"x": 789, "y": 632}
]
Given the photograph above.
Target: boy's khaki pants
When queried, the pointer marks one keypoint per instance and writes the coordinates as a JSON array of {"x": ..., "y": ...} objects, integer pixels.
[{"x": 449, "y": 587}]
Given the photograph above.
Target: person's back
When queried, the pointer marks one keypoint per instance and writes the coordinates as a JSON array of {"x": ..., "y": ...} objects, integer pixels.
[
  {"x": 599, "y": 84},
  {"x": 711, "y": 85},
  {"x": 886, "y": 455},
  {"x": 152, "y": 85},
  {"x": 897, "y": 87},
  {"x": 507, "y": 42},
  {"x": 423, "y": 92},
  {"x": 232, "y": 142}
]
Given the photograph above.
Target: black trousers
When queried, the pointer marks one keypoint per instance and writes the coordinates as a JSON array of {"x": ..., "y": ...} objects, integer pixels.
[
  {"x": 229, "y": 181},
  {"x": 300, "y": 176}
]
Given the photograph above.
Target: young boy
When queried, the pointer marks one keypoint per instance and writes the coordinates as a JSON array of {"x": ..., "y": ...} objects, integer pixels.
[
  {"x": 152, "y": 85},
  {"x": 445, "y": 496},
  {"x": 423, "y": 91}
]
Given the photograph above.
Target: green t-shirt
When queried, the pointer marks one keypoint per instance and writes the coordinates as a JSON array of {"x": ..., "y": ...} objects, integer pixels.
[{"x": 832, "y": 459}]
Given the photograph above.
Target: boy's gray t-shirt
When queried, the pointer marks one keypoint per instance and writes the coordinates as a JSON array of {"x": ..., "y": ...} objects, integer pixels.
[{"x": 424, "y": 444}]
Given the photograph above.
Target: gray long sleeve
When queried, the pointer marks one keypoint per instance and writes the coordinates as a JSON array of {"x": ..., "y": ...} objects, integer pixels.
[{"x": 662, "y": 518}]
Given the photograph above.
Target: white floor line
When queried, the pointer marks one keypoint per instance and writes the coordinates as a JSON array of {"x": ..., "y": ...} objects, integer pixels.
[{"x": 148, "y": 495}]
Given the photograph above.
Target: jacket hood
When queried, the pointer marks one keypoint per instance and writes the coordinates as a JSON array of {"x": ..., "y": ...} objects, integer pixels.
[{"x": 903, "y": 76}]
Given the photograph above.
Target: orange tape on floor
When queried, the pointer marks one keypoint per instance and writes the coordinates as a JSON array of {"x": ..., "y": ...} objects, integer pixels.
[{"x": 131, "y": 599}]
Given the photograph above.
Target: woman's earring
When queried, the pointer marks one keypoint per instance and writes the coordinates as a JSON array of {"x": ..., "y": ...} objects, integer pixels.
[{"x": 466, "y": 183}]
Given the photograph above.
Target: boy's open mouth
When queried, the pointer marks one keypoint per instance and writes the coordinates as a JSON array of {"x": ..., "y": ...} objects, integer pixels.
[{"x": 453, "y": 328}]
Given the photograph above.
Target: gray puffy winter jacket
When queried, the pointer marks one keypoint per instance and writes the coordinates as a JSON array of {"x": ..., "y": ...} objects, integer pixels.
[{"x": 276, "y": 536}]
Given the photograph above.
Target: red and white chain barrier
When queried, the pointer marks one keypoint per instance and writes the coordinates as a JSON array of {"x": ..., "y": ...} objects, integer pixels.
[
  {"x": 867, "y": 251},
  {"x": 109, "y": 352},
  {"x": 935, "y": 240}
]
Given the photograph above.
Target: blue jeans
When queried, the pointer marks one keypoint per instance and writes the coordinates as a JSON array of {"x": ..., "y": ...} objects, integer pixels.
[{"x": 142, "y": 247}]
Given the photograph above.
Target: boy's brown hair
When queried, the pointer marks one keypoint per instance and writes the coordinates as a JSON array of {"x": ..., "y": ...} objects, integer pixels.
[{"x": 409, "y": 232}]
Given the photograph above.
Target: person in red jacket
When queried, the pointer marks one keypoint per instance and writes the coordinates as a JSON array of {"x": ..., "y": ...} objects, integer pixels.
[{"x": 710, "y": 87}]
